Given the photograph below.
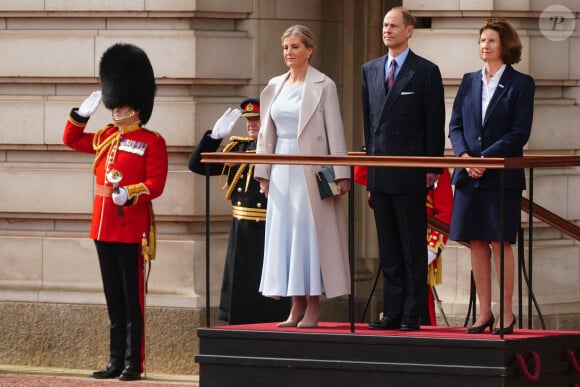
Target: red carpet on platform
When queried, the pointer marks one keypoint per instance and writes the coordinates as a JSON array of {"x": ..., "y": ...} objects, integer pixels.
[
  {"x": 332, "y": 355},
  {"x": 426, "y": 331}
]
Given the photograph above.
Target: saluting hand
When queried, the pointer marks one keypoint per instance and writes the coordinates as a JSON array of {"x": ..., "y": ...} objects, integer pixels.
[
  {"x": 224, "y": 125},
  {"x": 90, "y": 105}
]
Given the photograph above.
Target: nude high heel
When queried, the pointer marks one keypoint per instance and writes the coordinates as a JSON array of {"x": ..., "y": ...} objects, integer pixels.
[
  {"x": 290, "y": 322},
  {"x": 297, "y": 303},
  {"x": 312, "y": 309},
  {"x": 308, "y": 324}
]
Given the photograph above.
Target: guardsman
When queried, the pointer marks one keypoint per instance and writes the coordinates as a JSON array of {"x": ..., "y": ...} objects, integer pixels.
[
  {"x": 130, "y": 169},
  {"x": 240, "y": 301},
  {"x": 439, "y": 204}
]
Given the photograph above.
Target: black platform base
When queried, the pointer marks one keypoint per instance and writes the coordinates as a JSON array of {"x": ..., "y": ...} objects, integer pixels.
[{"x": 264, "y": 355}]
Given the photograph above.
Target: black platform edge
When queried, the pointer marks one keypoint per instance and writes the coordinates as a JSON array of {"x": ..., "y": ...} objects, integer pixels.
[{"x": 230, "y": 357}]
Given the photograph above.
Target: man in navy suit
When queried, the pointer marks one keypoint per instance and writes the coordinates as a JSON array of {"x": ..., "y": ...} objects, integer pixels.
[{"x": 404, "y": 115}]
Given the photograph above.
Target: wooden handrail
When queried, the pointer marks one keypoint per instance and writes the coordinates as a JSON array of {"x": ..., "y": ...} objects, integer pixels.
[
  {"x": 382, "y": 161},
  {"x": 441, "y": 227},
  {"x": 358, "y": 158},
  {"x": 548, "y": 217}
]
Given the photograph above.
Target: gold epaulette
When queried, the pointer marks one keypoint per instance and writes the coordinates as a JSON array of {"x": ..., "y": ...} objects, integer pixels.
[
  {"x": 103, "y": 129},
  {"x": 152, "y": 131},
  {"x": 235, "y": 140},
  {"x": 242, "y": 139}
]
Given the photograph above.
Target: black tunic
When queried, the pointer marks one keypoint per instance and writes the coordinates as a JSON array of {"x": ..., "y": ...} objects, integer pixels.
[{"x": 240, "y": 301}]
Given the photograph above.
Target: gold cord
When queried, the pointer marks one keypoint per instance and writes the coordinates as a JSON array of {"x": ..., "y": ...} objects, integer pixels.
[
  {"x": 235, "y": 140},
  {"x": 235, "y": 180},
  {"x": 111, "y": 142}
]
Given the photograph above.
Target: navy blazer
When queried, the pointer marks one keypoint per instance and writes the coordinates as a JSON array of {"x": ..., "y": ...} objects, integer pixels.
[
  {"x": 505, "y": 129},
  {"x": 408, "y": 121}
]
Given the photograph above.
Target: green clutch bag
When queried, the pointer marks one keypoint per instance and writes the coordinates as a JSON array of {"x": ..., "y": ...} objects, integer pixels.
[{"x": 326, "y": 183}]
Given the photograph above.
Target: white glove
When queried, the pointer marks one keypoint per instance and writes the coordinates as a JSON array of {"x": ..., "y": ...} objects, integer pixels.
[
  {"x": 224, "y": 125},
  {"x": 431, "y": 255},
  {"x": 120, "y": 198},
  {"x": 90, "y": 105}
]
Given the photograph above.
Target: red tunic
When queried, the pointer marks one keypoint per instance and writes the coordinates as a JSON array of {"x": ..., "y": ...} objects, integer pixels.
[
  {"x": 141, "y": 156},
  {"x": 439, "y": 205}
]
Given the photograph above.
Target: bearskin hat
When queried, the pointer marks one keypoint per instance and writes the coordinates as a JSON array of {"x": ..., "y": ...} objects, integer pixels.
[{"x": 127, "y": 78}]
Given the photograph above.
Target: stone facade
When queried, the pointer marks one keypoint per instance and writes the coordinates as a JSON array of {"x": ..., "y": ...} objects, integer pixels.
[{"x": 208, "y": 55}]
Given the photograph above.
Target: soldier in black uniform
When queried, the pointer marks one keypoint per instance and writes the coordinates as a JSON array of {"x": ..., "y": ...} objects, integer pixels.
[{"x": 240, "y": 301}]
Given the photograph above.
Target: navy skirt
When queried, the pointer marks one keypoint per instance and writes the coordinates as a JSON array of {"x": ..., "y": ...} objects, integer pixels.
[{"x": 476, "y": 214}]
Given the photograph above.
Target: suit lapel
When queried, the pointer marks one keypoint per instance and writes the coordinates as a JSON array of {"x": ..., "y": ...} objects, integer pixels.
[
  {"x": 266, "y": 98},
  {"x": 311, "y": 96},
  {"x": 477, "y": 87},
  {"x": 405, "y": 75},
  {"x": 376, "y": 82},
  {"x": 502, "y": 87},
  {"x": 271, "y": 91}
]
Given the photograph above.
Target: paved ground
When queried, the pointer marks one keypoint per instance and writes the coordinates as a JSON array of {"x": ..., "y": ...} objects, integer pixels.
[{"x": 49, "y": 377}]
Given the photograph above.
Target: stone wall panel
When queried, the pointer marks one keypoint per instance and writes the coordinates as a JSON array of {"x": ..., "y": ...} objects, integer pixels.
[
  {"x": 21, "y": 121},
  {"x": 555, "y": 127},
  {"x": 54, "y": 56},
  {"x": 36, "y": 190},
  {"x": 20, "y": 263}
]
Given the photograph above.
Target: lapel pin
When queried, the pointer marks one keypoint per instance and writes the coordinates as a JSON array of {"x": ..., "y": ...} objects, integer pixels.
[{"x": 500, "y": 85}]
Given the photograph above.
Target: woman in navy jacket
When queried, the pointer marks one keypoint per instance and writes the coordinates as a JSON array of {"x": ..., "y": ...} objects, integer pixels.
[{"x": 492, "y": 117}]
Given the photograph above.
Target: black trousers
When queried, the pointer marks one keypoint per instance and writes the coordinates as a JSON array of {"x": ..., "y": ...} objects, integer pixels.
[
  {"x": 121, "y": 272},
  {"x": 401, "y": 221}
]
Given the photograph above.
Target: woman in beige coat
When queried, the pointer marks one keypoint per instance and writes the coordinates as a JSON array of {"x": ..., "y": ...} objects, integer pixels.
[{"x": 305, "y": 250}]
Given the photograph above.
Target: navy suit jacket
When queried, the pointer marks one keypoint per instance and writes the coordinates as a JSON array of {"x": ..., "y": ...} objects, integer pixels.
[
  {"x": 504, "y": 131},
  {"x": 408, "y": 121}
]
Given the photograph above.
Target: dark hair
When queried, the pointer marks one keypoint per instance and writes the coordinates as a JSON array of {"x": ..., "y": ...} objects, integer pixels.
[
  {"x": 408, "y": 19},
  {"x": 511, "y": 46}
]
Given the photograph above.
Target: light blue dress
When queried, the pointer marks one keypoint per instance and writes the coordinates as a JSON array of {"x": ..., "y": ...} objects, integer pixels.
[{"x": 291, "y": 257}]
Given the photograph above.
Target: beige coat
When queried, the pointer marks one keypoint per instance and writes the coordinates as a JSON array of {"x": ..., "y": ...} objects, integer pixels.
[{"x": 320, "y": 132}]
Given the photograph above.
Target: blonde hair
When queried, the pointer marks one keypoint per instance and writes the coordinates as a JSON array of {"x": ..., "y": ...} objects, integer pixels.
[{"x": 304, "y": 33}]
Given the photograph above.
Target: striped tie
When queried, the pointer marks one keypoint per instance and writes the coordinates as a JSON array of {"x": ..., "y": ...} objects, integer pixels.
[{"x": 391, "y": 76}]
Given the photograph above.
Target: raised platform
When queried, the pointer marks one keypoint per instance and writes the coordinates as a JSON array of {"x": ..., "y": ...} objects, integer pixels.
[{"x": 330, "y": 355}]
